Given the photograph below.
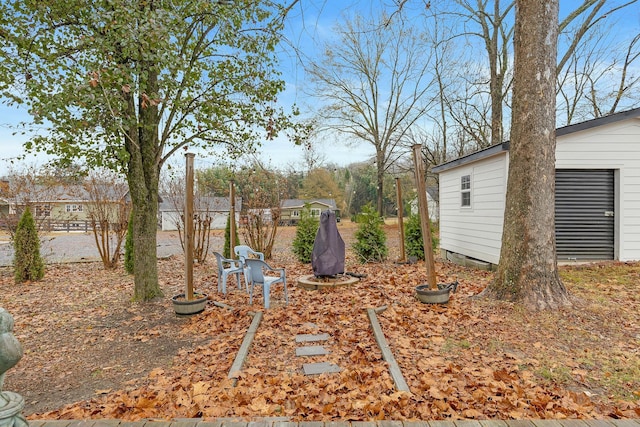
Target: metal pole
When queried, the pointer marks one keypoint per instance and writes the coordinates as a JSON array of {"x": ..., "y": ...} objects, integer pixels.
[
  {"x": 188, "y": 226},
  {"x": 424, "y": 216},
  {"x": 400, "y": 219}
]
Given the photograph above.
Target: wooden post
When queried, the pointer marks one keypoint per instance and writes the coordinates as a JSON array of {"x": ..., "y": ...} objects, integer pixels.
[
  {"x": 424, "y": 216},
  {"x": 232, "y": 218},
  {"x": 400, "y": 219},
  {"x": 188, "y": 226}
]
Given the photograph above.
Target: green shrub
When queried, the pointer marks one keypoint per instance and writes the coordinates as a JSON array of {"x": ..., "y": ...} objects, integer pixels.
[
  {"x": 226, "y": 252},
  {"x": 305, "y": 235},
  {"x": 413, "y": 237},
  {"x": 371, "y": 241},
  {"x": 128, "y": 247},
  {"x": 27, "y": 262}
]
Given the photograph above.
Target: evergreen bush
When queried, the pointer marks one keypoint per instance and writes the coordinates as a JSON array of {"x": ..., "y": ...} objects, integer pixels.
[
  {"x": 413, "y": 237},
  {"x": 128, "y": 247},
  {"x": 305, "y": 235},
  {"x": 371, "y": 241},
  {"x": 227, "y": 252},
  {"x": 27, "y": 261}
]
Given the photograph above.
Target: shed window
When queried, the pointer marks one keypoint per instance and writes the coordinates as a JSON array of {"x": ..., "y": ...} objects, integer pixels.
[
  {"x": 465, "y": 191},
  {"x": 295, "y": 214},
  {"x": 315, "y": 212}
]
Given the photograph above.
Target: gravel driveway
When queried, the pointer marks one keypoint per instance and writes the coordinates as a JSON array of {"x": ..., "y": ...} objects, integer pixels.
[{"x": 78, "y": 246}]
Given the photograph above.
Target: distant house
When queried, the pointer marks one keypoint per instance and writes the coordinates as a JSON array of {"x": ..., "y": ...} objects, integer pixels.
[
  {"x": 217, "y": 208},
  {"x": 432, "y": 204},
  {"x": 56, "y": 207},
  {"x": 596, "y": 194},
  {"x": 290, "y": 209}
]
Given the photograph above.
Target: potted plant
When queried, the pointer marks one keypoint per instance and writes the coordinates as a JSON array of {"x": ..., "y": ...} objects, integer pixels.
[{"x": 189, "y": 302}]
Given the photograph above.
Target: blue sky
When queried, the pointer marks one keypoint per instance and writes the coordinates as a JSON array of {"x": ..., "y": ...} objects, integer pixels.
[{"x": 310, "y": 24}]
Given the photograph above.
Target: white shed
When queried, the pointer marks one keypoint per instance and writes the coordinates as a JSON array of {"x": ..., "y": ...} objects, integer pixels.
[
  {"x": 597, "y": 194},
  {"x": 216, "y": 208}
]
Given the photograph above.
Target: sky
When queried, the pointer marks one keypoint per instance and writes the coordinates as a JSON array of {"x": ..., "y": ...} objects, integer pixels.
[{"x": 308, "y": 27}]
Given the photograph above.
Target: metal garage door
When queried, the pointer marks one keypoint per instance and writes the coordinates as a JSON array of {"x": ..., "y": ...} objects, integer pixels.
[{"x": 584, "y": 214}]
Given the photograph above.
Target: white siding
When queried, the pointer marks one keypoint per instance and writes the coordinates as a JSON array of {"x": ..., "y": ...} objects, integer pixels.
[
  {"x": 477, "y": 232},
  {"x": 615, "y": 146},
  {"x": 171, "y": 219},
  {"x": 474, "y": 231}
]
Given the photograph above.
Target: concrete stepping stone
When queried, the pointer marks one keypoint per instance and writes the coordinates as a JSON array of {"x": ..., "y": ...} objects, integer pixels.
[
  {"x": 311, "y": 350},
  {"x": 311, "y": 337},
  {"x": 320, "y": 368}
]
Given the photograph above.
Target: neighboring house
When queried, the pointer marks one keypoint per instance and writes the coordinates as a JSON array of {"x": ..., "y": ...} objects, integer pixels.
[
  {"x": 290, "y": 209},
  {"x": 217, "y": 208},
  {"x": 64, "y": 207},
  {"x": 597, "y": 198},
  {"x": 432, "y": 204}
]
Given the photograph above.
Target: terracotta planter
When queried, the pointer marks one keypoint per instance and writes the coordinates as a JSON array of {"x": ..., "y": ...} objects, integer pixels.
[{"x": 186, "y": 307}]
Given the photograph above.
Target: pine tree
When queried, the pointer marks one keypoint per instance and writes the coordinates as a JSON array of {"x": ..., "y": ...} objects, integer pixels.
[
  {"x": 371, "y": 241},
  {"x": 305, "y": 235},
  {"x": 413, "y": 237},
  {"x": 27, "y": 262},
  {"x": 227, "y": 238}
]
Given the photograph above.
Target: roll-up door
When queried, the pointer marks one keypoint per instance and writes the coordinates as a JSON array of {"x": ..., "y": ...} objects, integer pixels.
[{"x": 585, "y": 214}]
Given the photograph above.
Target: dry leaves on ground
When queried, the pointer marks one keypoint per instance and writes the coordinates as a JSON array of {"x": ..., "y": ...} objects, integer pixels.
[{"x": 469, "y": 359}]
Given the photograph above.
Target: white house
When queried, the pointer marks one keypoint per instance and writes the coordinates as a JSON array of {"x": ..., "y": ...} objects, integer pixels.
[
  {"x": 432, "y": 205},
  {"x": 597, "y": 194},
  {"x": 216, "y": 208}
]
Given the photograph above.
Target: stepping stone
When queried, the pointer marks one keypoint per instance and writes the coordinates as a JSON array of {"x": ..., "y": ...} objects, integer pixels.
[
  {"x": 311, "y": 337},
  {"x": 320, "y": 368},
  {"x": 311, "y": 350}
]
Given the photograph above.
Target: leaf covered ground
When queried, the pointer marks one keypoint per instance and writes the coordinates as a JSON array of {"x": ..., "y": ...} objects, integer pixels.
[{"x": 92, "y": 353}]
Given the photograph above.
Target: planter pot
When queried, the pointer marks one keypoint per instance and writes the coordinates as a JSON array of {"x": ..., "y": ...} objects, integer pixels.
[
  {"x": 432, "y": 296},
  {"x": 186, "y": 307}
]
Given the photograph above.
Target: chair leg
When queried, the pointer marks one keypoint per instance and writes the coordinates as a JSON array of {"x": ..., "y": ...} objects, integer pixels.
[
  {"x": 286, "y": 297},
  {"x": 266, "y": 287},
  {"x": 224, "y": 283}
]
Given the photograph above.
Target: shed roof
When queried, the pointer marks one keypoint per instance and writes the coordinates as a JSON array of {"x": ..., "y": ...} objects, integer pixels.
[
  {"x": 299, "y": 203},
  {"x": 565, "y": 130}
]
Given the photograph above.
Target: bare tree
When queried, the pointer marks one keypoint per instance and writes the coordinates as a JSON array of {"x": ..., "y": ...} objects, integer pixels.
[
  {"x": 174, "y": 189},
  {"x": 376, "y": 81},
  {"x": 528, "y": 270},
  {"x": 108, "y": 212}
]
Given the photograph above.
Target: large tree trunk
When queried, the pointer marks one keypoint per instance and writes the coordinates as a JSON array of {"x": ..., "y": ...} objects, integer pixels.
[
  {"x": 143, "y": 178},
  {"x": 528, "y": 270}
]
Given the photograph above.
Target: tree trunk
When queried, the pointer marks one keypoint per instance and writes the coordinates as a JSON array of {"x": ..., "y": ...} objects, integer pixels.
[
  {"x": 143, "y": 178},
  {"x": 528, "y": 271}
]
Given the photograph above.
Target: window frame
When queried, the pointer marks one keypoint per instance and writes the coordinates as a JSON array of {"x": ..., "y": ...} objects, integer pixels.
[{"x": 465, "y": 191}]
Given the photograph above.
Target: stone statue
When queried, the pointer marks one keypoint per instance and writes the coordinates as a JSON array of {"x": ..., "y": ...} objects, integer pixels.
[{"x": 11, "y": 404}]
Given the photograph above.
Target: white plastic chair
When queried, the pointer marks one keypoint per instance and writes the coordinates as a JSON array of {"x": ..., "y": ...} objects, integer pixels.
[
  {"x": 255, "y": 274},
  {"x": 234, "y": 267},
  {"x": 244, "y": 252}
]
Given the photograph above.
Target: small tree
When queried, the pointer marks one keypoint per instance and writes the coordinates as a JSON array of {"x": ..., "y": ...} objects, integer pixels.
[
  {"x": 128, "y": 247},
  {"x": 371, "y": 241},
  {"x": 27, "y": 262},
  {"x": 227, "y": 252},
  {"x": 305, "y": 235},
  {"x": 109, "y": 214},
  {"x": 413, "y": 237}
]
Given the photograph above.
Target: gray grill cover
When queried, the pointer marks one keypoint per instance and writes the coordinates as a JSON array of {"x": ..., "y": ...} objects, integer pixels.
[{"x": 327, "y": 258}]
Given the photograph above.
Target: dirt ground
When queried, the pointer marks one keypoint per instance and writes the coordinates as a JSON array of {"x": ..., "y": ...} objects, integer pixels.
[{"x": 85, "y": 341}]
